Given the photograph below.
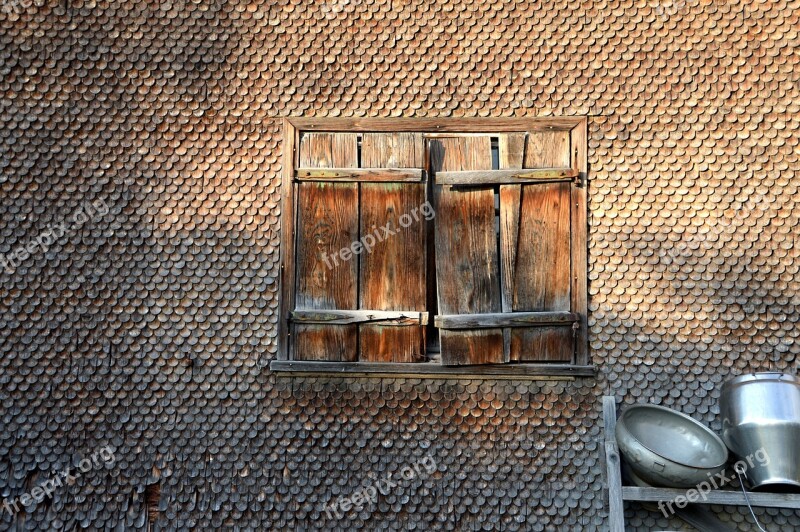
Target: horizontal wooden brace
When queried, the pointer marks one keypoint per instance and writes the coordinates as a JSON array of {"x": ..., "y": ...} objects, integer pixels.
[
  {"x": 480, "y": 177},
  {"x": 432, "y": 370},
  {"x": 347, "y": 317},
  {"x": 506, "y": 319},
  {"x": 722, "y": 497},
  {"x": 381, "y": 175},
  {"x": 438, "y": 125}
]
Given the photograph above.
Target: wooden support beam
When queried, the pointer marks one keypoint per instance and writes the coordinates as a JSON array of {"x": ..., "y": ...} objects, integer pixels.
[
  {"x": 616, "y": 512},
  {"x": 510, "y": 319},
  {"x": 346, "y": 317},
  {"x": 437, "y": 125},
  {"x": 380, "y": 175},
  {"x": 526, "y": 176},
  {"x": 723, "y": 497}
]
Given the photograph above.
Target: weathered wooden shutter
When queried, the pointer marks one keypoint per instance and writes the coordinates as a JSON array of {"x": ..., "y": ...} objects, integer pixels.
[
  {"x": 504, "y": 292},
  {"x": 467, "y": 269},
  {"x": 327, "y": 221},
  {"x": 370, "y": 307}
]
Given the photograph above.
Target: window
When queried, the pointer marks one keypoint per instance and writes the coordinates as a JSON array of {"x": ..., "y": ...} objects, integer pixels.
[{"x": 434, "y": 246}]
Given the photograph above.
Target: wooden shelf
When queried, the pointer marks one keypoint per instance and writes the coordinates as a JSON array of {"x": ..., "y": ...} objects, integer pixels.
[
  {"x": 693, "y": 514},
  {"x": 730, "y": 497}
]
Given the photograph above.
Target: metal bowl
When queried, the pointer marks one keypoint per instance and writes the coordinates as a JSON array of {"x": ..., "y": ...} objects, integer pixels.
[{"x": 667, "y": 448}]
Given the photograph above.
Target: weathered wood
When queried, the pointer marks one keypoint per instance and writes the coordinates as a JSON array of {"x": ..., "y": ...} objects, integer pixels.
[
  {"x": 535, "y": 251},
  {"x": 505, "y": 176},
  {"x": 511, "y": 154},
  {"x": 540, "y": 276},
  {"x": 616, "y": 511},
  {"x": 393, "y": 150},
  {"x": 722, "y": 497},
  {"x": 548, "y": 149},
  {"x": 545, "y": 137},
  {"x": 360, "y": 175},
  {"x": 467, "y": 271},
  {"x": 510, "y": 203},
  {"x": 542, "y": 344},
  {"x": 511, "y": 319},
  {"x": 393, "y": 273},
  {"x": 434, "y": 370},
  {"x": 437, "y": 125},
  {"x": 579, "y": 228},
  {"x": 287, "y": 248},
  {"x": 327, "y": 222},
  {"x": 325, "y": 342},
  {"x": 511, "y": 151},
  {"x": 345, "y": 317}
]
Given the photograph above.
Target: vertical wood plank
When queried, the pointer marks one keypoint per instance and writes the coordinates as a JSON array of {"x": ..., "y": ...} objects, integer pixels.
[
  {"x": 288, "y": 196},
  {"x": 542, "y": 271},
  {"x": 327, "y": 216},
  {"x": 616, "y": 510},
  {"x": 467, "y": 269},
  {"x": 535, "y": 250},
  {"x": 327, "y": 223},
  {"x": 579, "y": 228},
  {"x": 393, "y": 273},
  {"x": 511, "y": 149},
  {"x": 541, "y": 344},
  {"x": 548, "y": 149}
]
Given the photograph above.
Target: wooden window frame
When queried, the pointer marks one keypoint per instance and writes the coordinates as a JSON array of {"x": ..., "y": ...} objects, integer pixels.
[{"x": 577, "y": 128}]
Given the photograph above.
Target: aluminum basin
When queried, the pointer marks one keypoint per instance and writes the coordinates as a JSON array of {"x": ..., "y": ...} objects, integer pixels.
[{"x": 667, "y": 448}]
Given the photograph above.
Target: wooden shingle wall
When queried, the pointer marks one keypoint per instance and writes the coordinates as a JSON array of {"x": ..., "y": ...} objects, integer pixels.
[{"x": 148, "y": 325}]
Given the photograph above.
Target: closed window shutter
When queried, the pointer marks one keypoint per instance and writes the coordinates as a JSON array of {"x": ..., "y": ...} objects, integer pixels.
[
  {"x": 327, "y": 221},
  {"x": 375, "y": 301},
  {"x": 504, "y": 284},
  {"x": 467, "y": 266}
]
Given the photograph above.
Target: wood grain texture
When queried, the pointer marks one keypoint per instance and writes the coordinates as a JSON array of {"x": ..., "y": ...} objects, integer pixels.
[
  {"x": 387, "y": 175},
  {"x": 505, "y": 319},
  {"x": 538, "y": 277},
  {"x": 438, "y": 125},
  {"x": 393, "y": 274},
  {"x": 616, "y": 510},
  {"x": 535, "y": 229},
  {"x": 343, "y": 317},
  {"x": 511, "y": 150},
  {"x": 579, "y": 293},
  {"x": 333, "y": 343},
  {"x": 288, "y": 198},
  {"x": 541, "y": 344},
  {"x": 548, "y": 149},
  {"x": 511, "y": 155},
  {"x": 434, "y": 369},
  {"x": 505, "y": 176},
  {"x": 467, "y": 269},
  {"x": 721, "y": 497},
  {"x": 535, "y": 249},
  {"x": 327, "y": 221}
]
